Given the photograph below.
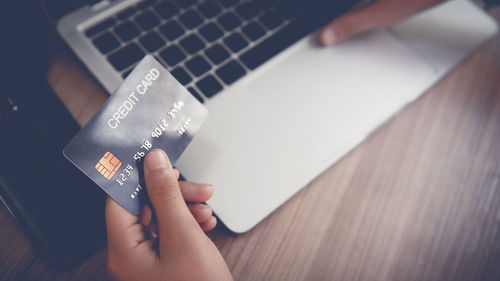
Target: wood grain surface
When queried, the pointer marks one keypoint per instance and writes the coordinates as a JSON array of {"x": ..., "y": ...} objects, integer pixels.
[{"x": 418, "y": 200}]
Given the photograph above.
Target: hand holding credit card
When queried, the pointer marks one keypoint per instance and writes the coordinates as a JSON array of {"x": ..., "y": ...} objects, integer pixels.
[{"x": 150, "y": 109}]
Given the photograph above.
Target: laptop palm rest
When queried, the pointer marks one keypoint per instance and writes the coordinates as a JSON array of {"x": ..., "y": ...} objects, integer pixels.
[{"x": 272, "y": 133}]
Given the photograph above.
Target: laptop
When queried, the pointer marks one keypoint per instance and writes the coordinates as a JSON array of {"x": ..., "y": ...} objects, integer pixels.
[{"x": 282, "y": 109}]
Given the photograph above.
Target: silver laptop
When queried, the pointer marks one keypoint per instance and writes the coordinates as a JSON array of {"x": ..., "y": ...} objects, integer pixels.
[{"x": 282, "y": 109}]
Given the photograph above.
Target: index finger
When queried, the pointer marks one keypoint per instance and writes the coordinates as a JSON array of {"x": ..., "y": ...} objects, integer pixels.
[{"x": 379, "y": 14}]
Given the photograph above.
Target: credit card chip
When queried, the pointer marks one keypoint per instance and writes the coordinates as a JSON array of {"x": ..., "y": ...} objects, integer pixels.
[{"x": 108, "y": 165}]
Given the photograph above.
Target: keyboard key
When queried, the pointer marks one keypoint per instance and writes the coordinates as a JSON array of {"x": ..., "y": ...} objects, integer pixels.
[
  {"x": 186, "y": 3},
  {"x": 172, "y": 55},
  {"x": 147, "y": 20},
  {"x": 230, "y": 72},
  {"x": 192, "y": 43},
  {"x": 106, "y": 42},
  {"x": 152, "y": 41},
  {"x": 191, "y": 19},
  {"x": 127, "y": 31},
  {"x": 271, "y": 46},
  {"x": 127, "y": 13},
  {"x": 217, "y": 53},
  {"x": 229, "y": 21},
  {"x": 126, "y": 56},
  {"x": 271, "y": 20},
  {"x": 195, "y": 94},
  {"x": 228, "y": 3},
  {"x": 172, "y": 30},
  {"x": 158, "y": 58},
  {"x": 181, "y": 75},
  {"x": 211, "y": 32},
  {"x": 126, "y": 73},
  {"x": 198, "y": 65},
  {"x": 209, "y": 9},
  {"x": 236, "y": 42},
  {"x": 166, "y": 9},
  {"x": 209, "y": 86},
  {"x": 264, "y": 4},
  {"x": 105, "y": 24},
  {"x": 247, "y": 10},
  {"x": 145, "y": 4},
  {"x": 253, "y": 31},
  {"x": 289, "y": 11}
]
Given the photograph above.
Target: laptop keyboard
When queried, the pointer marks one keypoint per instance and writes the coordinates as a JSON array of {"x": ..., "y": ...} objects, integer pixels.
[{"x": 206, "y": 44}]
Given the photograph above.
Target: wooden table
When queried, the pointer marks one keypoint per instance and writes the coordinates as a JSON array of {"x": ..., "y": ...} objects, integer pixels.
[{"x": 418, "y": 200}]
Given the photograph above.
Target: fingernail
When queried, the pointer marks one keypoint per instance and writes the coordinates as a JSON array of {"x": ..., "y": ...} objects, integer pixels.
[
  {"x": 156, "y": 159},
  {"x": 329, "y": 36},
  {"x": 209, "y": 188}
]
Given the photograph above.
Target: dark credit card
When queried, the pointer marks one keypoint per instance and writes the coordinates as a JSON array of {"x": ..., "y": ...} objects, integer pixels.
[{"x": 150, "y": 109}]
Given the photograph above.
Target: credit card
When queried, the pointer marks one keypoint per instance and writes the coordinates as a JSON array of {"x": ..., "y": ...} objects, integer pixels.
[{"x": 150, "y": 109}]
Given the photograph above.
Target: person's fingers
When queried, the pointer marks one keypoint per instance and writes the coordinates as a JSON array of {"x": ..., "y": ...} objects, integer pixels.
[
  {"x": 209, "y": 225},
  {"x": 177, "y": 174},
  {"x": 174, "y": 220},
  {"x": 380, "y": 14},
  {"x": 153, "y": 229},
  {"x": 201, "y": 212},
  {"x": 146, "y": 215},
  {"x": 194, "y": 192},
  {"x": 123, "y": 229}
]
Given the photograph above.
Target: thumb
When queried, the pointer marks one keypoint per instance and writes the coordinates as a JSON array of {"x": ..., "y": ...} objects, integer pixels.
[
  {"x": 380, "y": 14},
  {"x": 174, "y": 218}
]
